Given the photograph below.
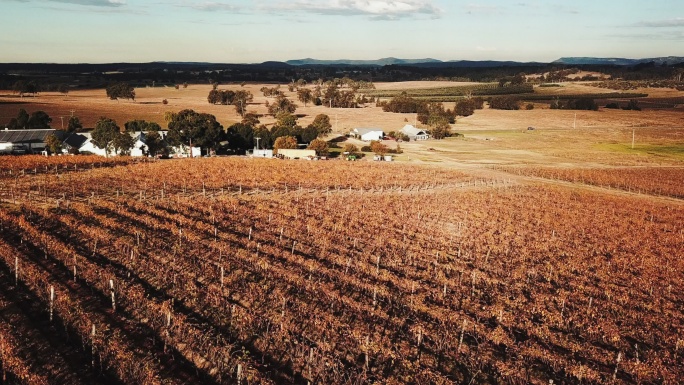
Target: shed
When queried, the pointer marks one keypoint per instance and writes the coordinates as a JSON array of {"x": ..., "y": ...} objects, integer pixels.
[
  {"x": 368, "y": 134},
  {"x": 262, "y": 153},
  {"x": 414, "y": 133},
  {"x": 288, "y": 153},
  {"x": 25, "y": 141}
]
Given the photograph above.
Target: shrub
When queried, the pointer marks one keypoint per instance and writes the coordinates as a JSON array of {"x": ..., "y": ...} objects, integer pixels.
[{"x": 504, "y": 103}]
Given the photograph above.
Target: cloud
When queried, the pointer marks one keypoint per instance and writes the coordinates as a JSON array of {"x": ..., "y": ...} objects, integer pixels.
[
  {"x": 97, "y": 3},
  {"x": 214, "y": 6},
  {"x": 676, "y": 22},
  {"x": 376, "y": 9},
  {"x": 481, "y": 8}
]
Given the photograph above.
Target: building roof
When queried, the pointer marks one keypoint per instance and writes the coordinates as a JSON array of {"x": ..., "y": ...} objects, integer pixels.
[
  {"x": 75, "y": 140},
  {"x": 412, "y": 131},
  {"x": 364, "y": 131},
  {"x": 26, "y": 136}
]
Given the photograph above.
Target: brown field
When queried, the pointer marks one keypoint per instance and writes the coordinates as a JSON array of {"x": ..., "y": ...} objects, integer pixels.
[{"x": 506, "y": 256}]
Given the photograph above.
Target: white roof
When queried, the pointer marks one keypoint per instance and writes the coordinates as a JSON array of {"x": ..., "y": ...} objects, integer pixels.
[
  {"x": 410, "y": 130},
  {"x": 364, "y": 131}
]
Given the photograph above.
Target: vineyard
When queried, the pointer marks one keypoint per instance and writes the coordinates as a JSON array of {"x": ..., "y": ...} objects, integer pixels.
[
  {"x": 664, "y": 181},
  {"x": 239, "y": 271}
]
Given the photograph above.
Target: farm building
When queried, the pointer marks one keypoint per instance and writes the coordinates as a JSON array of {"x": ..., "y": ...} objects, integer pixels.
[
  {"x": 288, "y": 153},
  {"x": 73, "y": 142},
  {"x": 262, "y": 153},
  {"x": 139, "y": 148},
  {"x": 368, "y": 134},
  {"x": 414, "y": 133},
  {"x": 24, "y": 141}
]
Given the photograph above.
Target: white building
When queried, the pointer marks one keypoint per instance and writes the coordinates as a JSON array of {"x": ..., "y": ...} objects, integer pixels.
[
  {"x": 368, "y": 134},
  {"x": 262, "y": 153},
  {"x": 414, "y": 133},
  {"x": 291, "y": 153},
  {"x": 25, "y": 141}
]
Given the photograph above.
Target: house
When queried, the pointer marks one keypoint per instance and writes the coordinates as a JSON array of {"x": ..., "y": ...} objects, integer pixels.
[
  {"x": 288, "y": 153},
  {"x": 368, "y": 134},
  {"x": 414, "y": 133},
  {"x": 25, "y": 141}
]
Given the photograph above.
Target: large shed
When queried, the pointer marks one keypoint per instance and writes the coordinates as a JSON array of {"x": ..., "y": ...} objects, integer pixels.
[
  {"x": 25, "y": 141},
  {"x": 368, "y": 134},
  {"x": 290, "y": 153}
]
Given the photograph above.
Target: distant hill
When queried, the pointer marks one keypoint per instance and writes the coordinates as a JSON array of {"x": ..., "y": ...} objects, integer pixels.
[
  {"x": 378, "y": 62},
  {"x": 424, "y": 63},
  {"x": 669, "y": 60}
]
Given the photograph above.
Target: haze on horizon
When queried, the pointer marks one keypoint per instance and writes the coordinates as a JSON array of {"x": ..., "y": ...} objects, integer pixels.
[{"x": 243, "y": 31}]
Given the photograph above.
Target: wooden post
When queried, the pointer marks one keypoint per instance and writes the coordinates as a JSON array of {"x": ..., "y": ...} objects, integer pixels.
[
  {"x": 619, "y": 358},
  {"x": 92, "y": 345},
  {"x": 460, "y": 341},
  {"x": 52, "y": 301},
  {"x": 111, "y": 287}
]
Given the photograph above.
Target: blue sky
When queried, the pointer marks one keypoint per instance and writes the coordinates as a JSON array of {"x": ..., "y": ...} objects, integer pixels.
[{"x": 240, "y": 31}]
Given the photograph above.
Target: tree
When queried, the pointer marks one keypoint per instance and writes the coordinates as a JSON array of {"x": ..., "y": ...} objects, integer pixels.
[
  {"x": 74, "y": 124},
  {"x": 350, "y": 149},
  {"x": 240, "y": 136},
  {"x": 504, "y": 103},
  {"x": 280, "y": 105},
  {"x": 214, "y": 96},
  {"x": 518, "y": 79},
  {"x": 39, "y": 120},
  {"x": 20, "y": 122},
  {"x": 53, "y": 143},
  {"x": 305, "y": 95},
  {"x": 21, "y": 87},
  {"x": 308, "y": 134},
  {"x": 264, "y": 135},
  {"x": 633, "y": 105},
  {"x": 251, "y": 119},
  {"x": 284, "y": 142},
  {"x": 320, "y": 146},
  {"x": 322, "y": 124},
  {"x": 141, "y": 126},
  {"x": 378, "y": 147},
  {"x": 123, "y": 143},
  {"x": 190, "y": 128},
  {"x": 240, "y": 101},
  {"x": 465, "y": 107},
  {"x": 104, "y": 134},
  {"x": 154, "y": 142},
  {"x": 286, "y": 119},
  {"x": 441, "y": 130},
  {"x": 63, "y": 89},
  {"x": 120, "y": 90}
]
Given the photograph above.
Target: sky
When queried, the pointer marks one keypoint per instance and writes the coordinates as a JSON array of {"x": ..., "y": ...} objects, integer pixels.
[{"x": 241, "y": 31}]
